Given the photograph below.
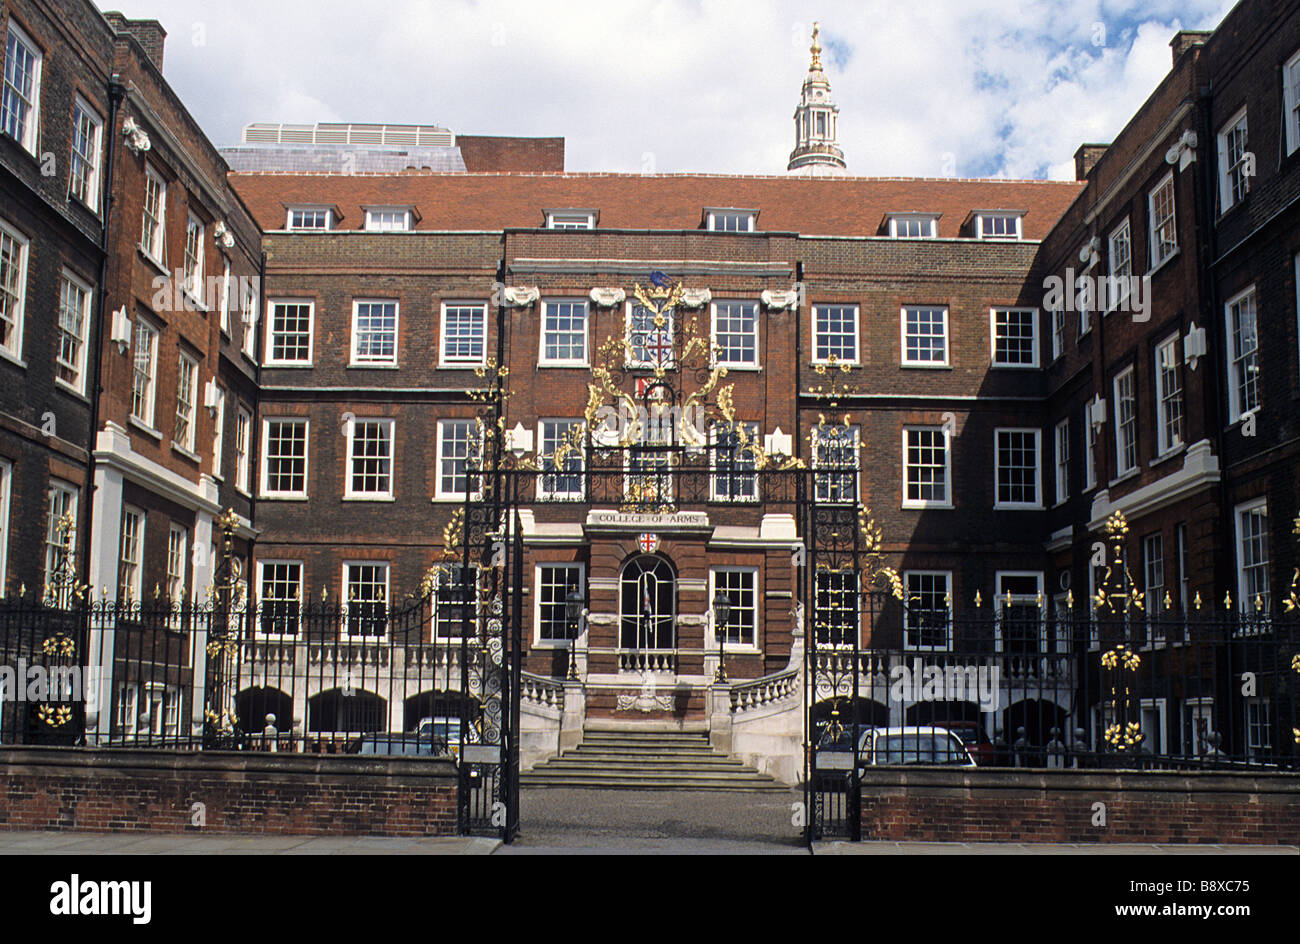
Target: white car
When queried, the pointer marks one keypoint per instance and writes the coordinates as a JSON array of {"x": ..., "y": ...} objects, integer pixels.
[{"x": 922, "y": 744}]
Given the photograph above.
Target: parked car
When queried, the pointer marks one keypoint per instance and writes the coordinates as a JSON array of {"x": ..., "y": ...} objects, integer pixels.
[
  {"x": 975, "y": 738},
  {"x": 447, "y": 730},
  {"x": 403, "y": 744},
  {"x": 920, "y": 744}
]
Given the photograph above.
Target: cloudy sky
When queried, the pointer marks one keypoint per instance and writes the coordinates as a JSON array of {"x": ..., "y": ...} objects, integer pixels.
[{"x": 930, "y": 88}]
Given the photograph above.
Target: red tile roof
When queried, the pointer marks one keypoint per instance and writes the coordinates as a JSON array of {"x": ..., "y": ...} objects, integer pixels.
[{"x": 835, "y": 206}]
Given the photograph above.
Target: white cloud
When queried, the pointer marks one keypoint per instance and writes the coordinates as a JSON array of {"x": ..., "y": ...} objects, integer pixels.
[{"x": 999, "y": 86}]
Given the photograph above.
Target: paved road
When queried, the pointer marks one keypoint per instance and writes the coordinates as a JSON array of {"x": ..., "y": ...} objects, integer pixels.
[{"x": 647, "y": 823}]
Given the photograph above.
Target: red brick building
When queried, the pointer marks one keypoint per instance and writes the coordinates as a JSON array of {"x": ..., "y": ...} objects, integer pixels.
[{"x": 297, "y": 328}]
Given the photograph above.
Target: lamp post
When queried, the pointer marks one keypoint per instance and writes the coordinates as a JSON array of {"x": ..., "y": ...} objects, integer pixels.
[
  {"x": 572, "y": 613},
  {"x": 721, "y": 613}
]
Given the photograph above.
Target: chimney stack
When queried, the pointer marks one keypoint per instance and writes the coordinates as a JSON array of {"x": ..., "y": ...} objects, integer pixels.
[
  {"x": 149, "y": 33},
  {"x": 1185, "y": 39},
  {"x": 1086, "y": 158}
]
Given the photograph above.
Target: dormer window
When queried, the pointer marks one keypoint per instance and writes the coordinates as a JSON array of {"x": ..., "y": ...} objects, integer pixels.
[
  {"x": 571, "y": 219},
  {"x": 307, "y": 218},
  {"x": 913, "y": 226},
  {"x": 388, "y": 219},
  {"x": 730, "y": 220},
  {"x": 997, "y": 224}
]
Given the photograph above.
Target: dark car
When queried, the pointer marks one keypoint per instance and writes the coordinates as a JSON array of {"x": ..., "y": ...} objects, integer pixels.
[{"x": 975, "y": 738}]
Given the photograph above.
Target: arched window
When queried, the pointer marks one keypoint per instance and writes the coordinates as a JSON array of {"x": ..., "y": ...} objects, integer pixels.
[{"x": 647, "y": 604}]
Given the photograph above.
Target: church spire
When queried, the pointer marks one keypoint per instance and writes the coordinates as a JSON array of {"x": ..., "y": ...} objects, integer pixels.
[{"x": 815, "y": 119}]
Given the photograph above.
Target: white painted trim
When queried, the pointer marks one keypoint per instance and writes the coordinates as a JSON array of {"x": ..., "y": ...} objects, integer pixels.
[
  {"x": 542, "y": 359},
  {"x": 352, "y": 345}
]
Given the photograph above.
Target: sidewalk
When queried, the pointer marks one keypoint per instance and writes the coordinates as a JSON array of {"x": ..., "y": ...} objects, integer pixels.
[
  {"x": 1043, "y": 848},
  {"x": 72, "y": 843}
]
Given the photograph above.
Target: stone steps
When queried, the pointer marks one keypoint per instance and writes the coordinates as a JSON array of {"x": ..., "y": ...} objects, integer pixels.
[{"x": 647, "y": 760}]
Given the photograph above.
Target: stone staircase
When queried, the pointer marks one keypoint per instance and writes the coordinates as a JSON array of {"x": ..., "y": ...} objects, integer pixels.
[{"x": 647, "y": 760}]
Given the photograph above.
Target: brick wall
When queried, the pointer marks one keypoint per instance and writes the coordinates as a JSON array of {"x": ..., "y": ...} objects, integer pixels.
[
  {"x": 1058, "y": 806},
  {"x": 284, "y": 794}
]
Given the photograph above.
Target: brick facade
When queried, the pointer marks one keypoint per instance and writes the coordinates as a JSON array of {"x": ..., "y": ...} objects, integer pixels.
[{"x": 245, "y": 793}]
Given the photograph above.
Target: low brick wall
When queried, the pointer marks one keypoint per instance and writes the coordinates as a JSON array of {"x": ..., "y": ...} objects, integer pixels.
[
  {"x": 113, "y": 790},
  {"x": 1058, "y": 806}
]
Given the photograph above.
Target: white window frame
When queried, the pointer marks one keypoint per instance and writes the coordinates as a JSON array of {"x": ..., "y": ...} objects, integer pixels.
[
  {"x": 1246, "y": 600},
  {"x": 829, "y": 474},
  {"x": 542, "y": 359},
  {"x": 384, "y": 600},
  {"x": 1194, "y": 710},
  {"x": 1232, "y": 176},
  {"x": 383, "y": 219},
  {"x": 270, "y": 359},
  {"x": 130, "y": 555},
  {"x": 458, "y": 360},
  {"x": 164, "y": 709},
  {"x": 1045, "y": 640},
  {"x": 31, "y": 127},
  {"x": 14, "y": 350},
  {"x": 906, "y": 361},
  {"x": 720, "y": 218},
  {"x": 65, "y": 495},
  {"x": 984, "y": 227},
  {"x": 265, "y": 490},
  {"x": 144, "y": 335},
  {"x": 1058, "y": 333},
  {"x": 1170, "y": 405},
  {"x": 192, "y": 274},
  {"x": 735, "y": 364},
  {"x": 929, "y": 225},
  {"x": 910, "y": 646},
  {"x": 356, "y": 358},
  {"x": 444, "y": 494},
  {"x": 258, "y": 631},
  {"x": 248, "y": 315},
  {"x": 187, "y": 401},
  {"x": 1291, "y": 102},
  {"x": 1154, "y": 591},
  {"x": 1154, "y": 226},
  {"x": 540, "y": 641},
  {"x": 290, "y": 211},
  {"x": 350, "y": 492},
  {"x": 1263, "y": 712},
  {"x": 727, "y": 644},
  {"x": 857, "y": 334},
  {"x": 946, "y": 501},
  {"x": 745, "y": 476},
  {"x": 993, "y": 337},
  {"x": 1037, "y": 503},
  {"x": 87, "y": 181},
  {"x": 153, "y": 239},
  {"x": 1126, "y": 430},
  {"x": 1237, "y": 359},
  {"x": 1061, "y": 441},
  {"x": 547, "y": 494},
  {"x": 175, "y": 590},
  {"x": 218, "y": 434},
  {"x": 570, "y": 219},
  {"x": 225, "y": 296},
  {"x": 1119, "y": 251},
  {"x": 76, "y": 366},
  {"x": 1158, "y": 706},
  {"x": 243, "y": 454}
]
